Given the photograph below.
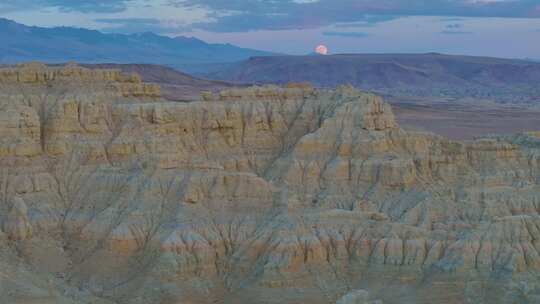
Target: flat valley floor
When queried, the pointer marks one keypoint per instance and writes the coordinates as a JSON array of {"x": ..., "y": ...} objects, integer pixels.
[{"x": 461, "y": 120}]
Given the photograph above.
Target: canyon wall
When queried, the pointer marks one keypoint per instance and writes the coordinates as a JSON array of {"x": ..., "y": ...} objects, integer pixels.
[{"x": 110, "y": 194}]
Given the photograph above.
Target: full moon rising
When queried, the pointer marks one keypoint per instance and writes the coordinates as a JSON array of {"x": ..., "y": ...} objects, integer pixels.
[{"x": 321, "y": 50}]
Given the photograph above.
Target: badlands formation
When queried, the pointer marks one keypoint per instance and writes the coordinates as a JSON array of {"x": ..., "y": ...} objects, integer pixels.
[{"x": 111, "y": 194}]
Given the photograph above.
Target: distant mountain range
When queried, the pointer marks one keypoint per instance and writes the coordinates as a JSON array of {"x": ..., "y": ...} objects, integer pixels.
[
  {"x": 60, "y": 44},
  {"x": 432, "y": 74},
  {"x": 416, "y": 75}
]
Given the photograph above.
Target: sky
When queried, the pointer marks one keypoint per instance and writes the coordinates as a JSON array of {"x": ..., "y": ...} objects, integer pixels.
[{"x": 500, "y": 28}]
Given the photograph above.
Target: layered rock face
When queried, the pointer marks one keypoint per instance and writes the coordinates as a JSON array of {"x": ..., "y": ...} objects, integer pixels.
[
  {"x": 16, "y": 225},
  {"x": 258, "y": 195},
  {"x": 39, "y": 74}
]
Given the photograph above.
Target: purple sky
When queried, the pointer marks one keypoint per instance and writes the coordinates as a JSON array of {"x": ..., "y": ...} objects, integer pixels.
[{"x": 503, "y": 28}]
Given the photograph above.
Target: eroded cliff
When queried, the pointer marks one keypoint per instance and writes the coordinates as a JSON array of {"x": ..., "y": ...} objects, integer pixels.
[{"x": 260, "y": 195}]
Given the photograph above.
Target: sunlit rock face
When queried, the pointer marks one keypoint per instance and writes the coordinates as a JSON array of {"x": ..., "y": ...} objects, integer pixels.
[{"x": 110, "y": 194}]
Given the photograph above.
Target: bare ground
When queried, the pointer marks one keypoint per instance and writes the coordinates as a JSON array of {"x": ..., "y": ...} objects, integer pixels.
[{"x": 465, "y": 120}]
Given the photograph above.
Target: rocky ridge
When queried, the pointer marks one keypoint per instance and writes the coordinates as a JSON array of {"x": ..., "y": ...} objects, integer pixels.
[{"x": 110, "y": 194}]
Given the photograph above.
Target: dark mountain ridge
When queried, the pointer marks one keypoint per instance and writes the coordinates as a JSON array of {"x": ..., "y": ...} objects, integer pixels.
[
  {"x": 429, "y": 74},
  {"x": 22, "y": 43}
]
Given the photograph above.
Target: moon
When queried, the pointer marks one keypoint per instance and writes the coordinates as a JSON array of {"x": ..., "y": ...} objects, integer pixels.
[{"x": 321, "y": 50}]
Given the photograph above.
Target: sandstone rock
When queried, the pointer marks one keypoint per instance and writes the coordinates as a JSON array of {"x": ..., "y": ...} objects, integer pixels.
[
  {"x": 357, "y": 297},
  {"x": 207, "y": 96},
  {"x": 39, "y": 74},
  {"x": 260, "y": 192},
  {"x": 17, "y": 226},
  {"x": 19, "y": 132}
]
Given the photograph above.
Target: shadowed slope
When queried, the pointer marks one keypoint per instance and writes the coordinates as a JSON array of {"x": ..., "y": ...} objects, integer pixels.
[{"x": 400, "y": 74}]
